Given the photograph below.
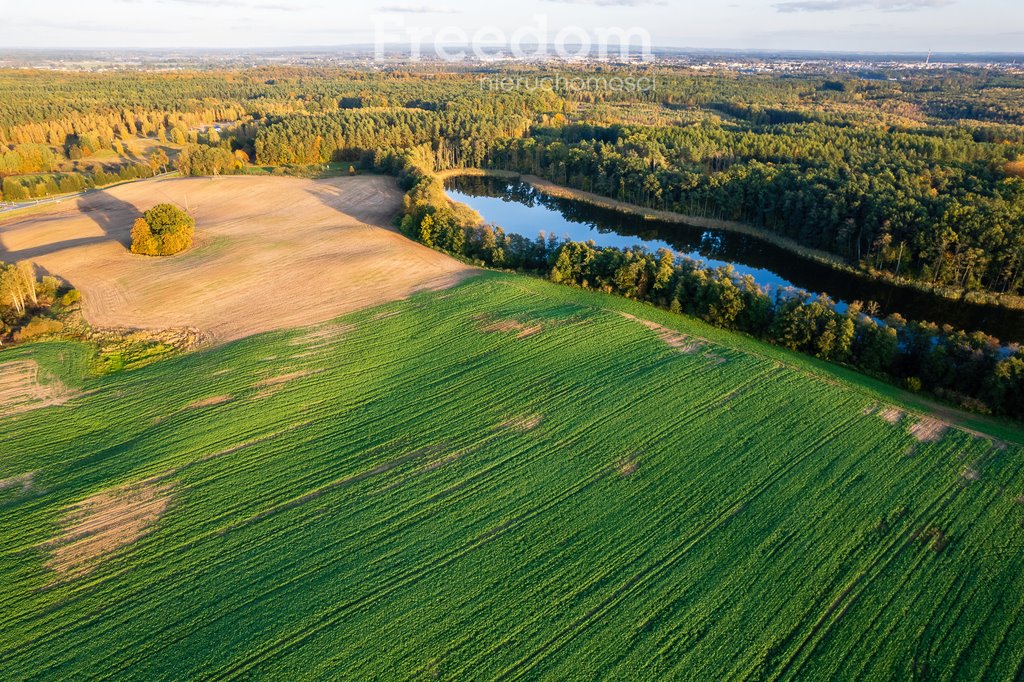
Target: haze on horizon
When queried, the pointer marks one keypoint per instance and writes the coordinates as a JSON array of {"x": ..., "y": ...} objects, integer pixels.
[{"x": 833, "y": 25}]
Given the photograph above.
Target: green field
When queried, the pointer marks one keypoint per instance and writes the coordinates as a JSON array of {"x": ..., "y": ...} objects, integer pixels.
[{"x": 508, "y": 479}]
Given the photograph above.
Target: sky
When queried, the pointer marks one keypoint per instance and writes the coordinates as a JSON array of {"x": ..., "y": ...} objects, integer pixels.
[{"x": 836, "y": 25}]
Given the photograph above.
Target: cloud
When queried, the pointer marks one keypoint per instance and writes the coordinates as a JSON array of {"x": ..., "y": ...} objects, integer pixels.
[
  {"x": 88, "y": 27},
  {"x": 241, "y": 4},
  {"x": 611, "y": 3},
  {"x": 835, "y": 5},
  {"x": 416, "y": 9}
]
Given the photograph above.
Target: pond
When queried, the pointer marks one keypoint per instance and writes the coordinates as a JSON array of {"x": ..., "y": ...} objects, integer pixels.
[{"x": 519, "y": 208}]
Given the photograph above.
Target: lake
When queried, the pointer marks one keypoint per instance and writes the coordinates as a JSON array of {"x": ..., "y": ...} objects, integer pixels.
[{"x": 519, "y": 208}]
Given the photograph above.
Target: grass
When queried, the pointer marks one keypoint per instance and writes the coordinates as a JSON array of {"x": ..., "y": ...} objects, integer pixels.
[{"x": 421, "y": 491}]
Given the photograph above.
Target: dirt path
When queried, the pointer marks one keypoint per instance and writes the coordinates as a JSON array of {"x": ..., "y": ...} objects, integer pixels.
[{"x": 270, "y": 253}]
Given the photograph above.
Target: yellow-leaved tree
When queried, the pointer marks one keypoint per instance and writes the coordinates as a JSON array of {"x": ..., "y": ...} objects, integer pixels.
[{"x": 163, "y": 230}]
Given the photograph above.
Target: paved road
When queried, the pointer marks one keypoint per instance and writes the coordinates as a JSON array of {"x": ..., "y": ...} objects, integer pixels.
[{"x": 7, "y": 206}]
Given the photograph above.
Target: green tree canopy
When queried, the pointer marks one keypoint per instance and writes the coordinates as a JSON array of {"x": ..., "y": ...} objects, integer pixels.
[{"x": 163, "y": 230}]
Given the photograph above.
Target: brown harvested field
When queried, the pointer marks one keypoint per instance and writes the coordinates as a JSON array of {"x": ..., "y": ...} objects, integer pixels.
[
  {"x": 283, "y": 379},
  {"x": 626, "y": 466},
  {"x": 270, "y": 253},
  {"x": 209, "y": 402},
  {"x": 323, "y": 337}
]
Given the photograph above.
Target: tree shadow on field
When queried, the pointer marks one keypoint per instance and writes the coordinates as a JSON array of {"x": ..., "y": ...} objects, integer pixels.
[
  {"x": 375, "y": 203},
  {"x": 114, "y": 217}
]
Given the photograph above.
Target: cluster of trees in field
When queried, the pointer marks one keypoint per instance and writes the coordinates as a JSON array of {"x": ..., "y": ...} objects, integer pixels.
[
  {"x": 25, "y": 301},
  {"x": 937, "y": 205},
  {"x": 973, "y": 370},
  {"x": 163, "y": 230},
  {"x": 200, "y": 159}
]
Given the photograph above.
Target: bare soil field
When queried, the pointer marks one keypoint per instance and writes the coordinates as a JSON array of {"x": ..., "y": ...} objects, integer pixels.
[
  {"x": 98, "y": 526},
  {"x": 270, "y": 253},
  {"x": 21, "y": 390}
]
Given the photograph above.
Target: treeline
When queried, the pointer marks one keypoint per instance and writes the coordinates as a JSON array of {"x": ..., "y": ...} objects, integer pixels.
[
  {"x": 937, "y": 206},
  {"x": 972, "y": 370},
  {"x": 74, "y": 114},
  {"x": 23, "y": 188},
  {"x": 31, "y": 158}
]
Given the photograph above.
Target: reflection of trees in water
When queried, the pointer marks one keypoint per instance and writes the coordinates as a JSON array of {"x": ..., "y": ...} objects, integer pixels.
[
  {"x": 712, "y": 244},
  {"x": 748, "y": 251},
  {"x": 719, "y": 245}
]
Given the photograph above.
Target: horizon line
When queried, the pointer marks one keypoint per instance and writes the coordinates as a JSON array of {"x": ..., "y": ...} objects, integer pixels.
[{"x": 399, "y": 46}]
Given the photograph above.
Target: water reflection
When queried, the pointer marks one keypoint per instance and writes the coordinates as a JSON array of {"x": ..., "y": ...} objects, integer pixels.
[{"x": 519, "y": 208}]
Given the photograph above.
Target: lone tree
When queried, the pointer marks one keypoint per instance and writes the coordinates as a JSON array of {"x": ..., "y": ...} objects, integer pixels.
[
  {"x": 158, "y": 160},
  {"x": 163, "y": 230}
]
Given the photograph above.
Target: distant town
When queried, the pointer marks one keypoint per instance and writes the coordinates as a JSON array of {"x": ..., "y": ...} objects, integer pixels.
[{"x": 877, "y": 66}]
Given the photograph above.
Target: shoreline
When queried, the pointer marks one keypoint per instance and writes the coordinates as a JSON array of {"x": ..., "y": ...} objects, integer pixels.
[{"x": 1003, "y": 301}]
